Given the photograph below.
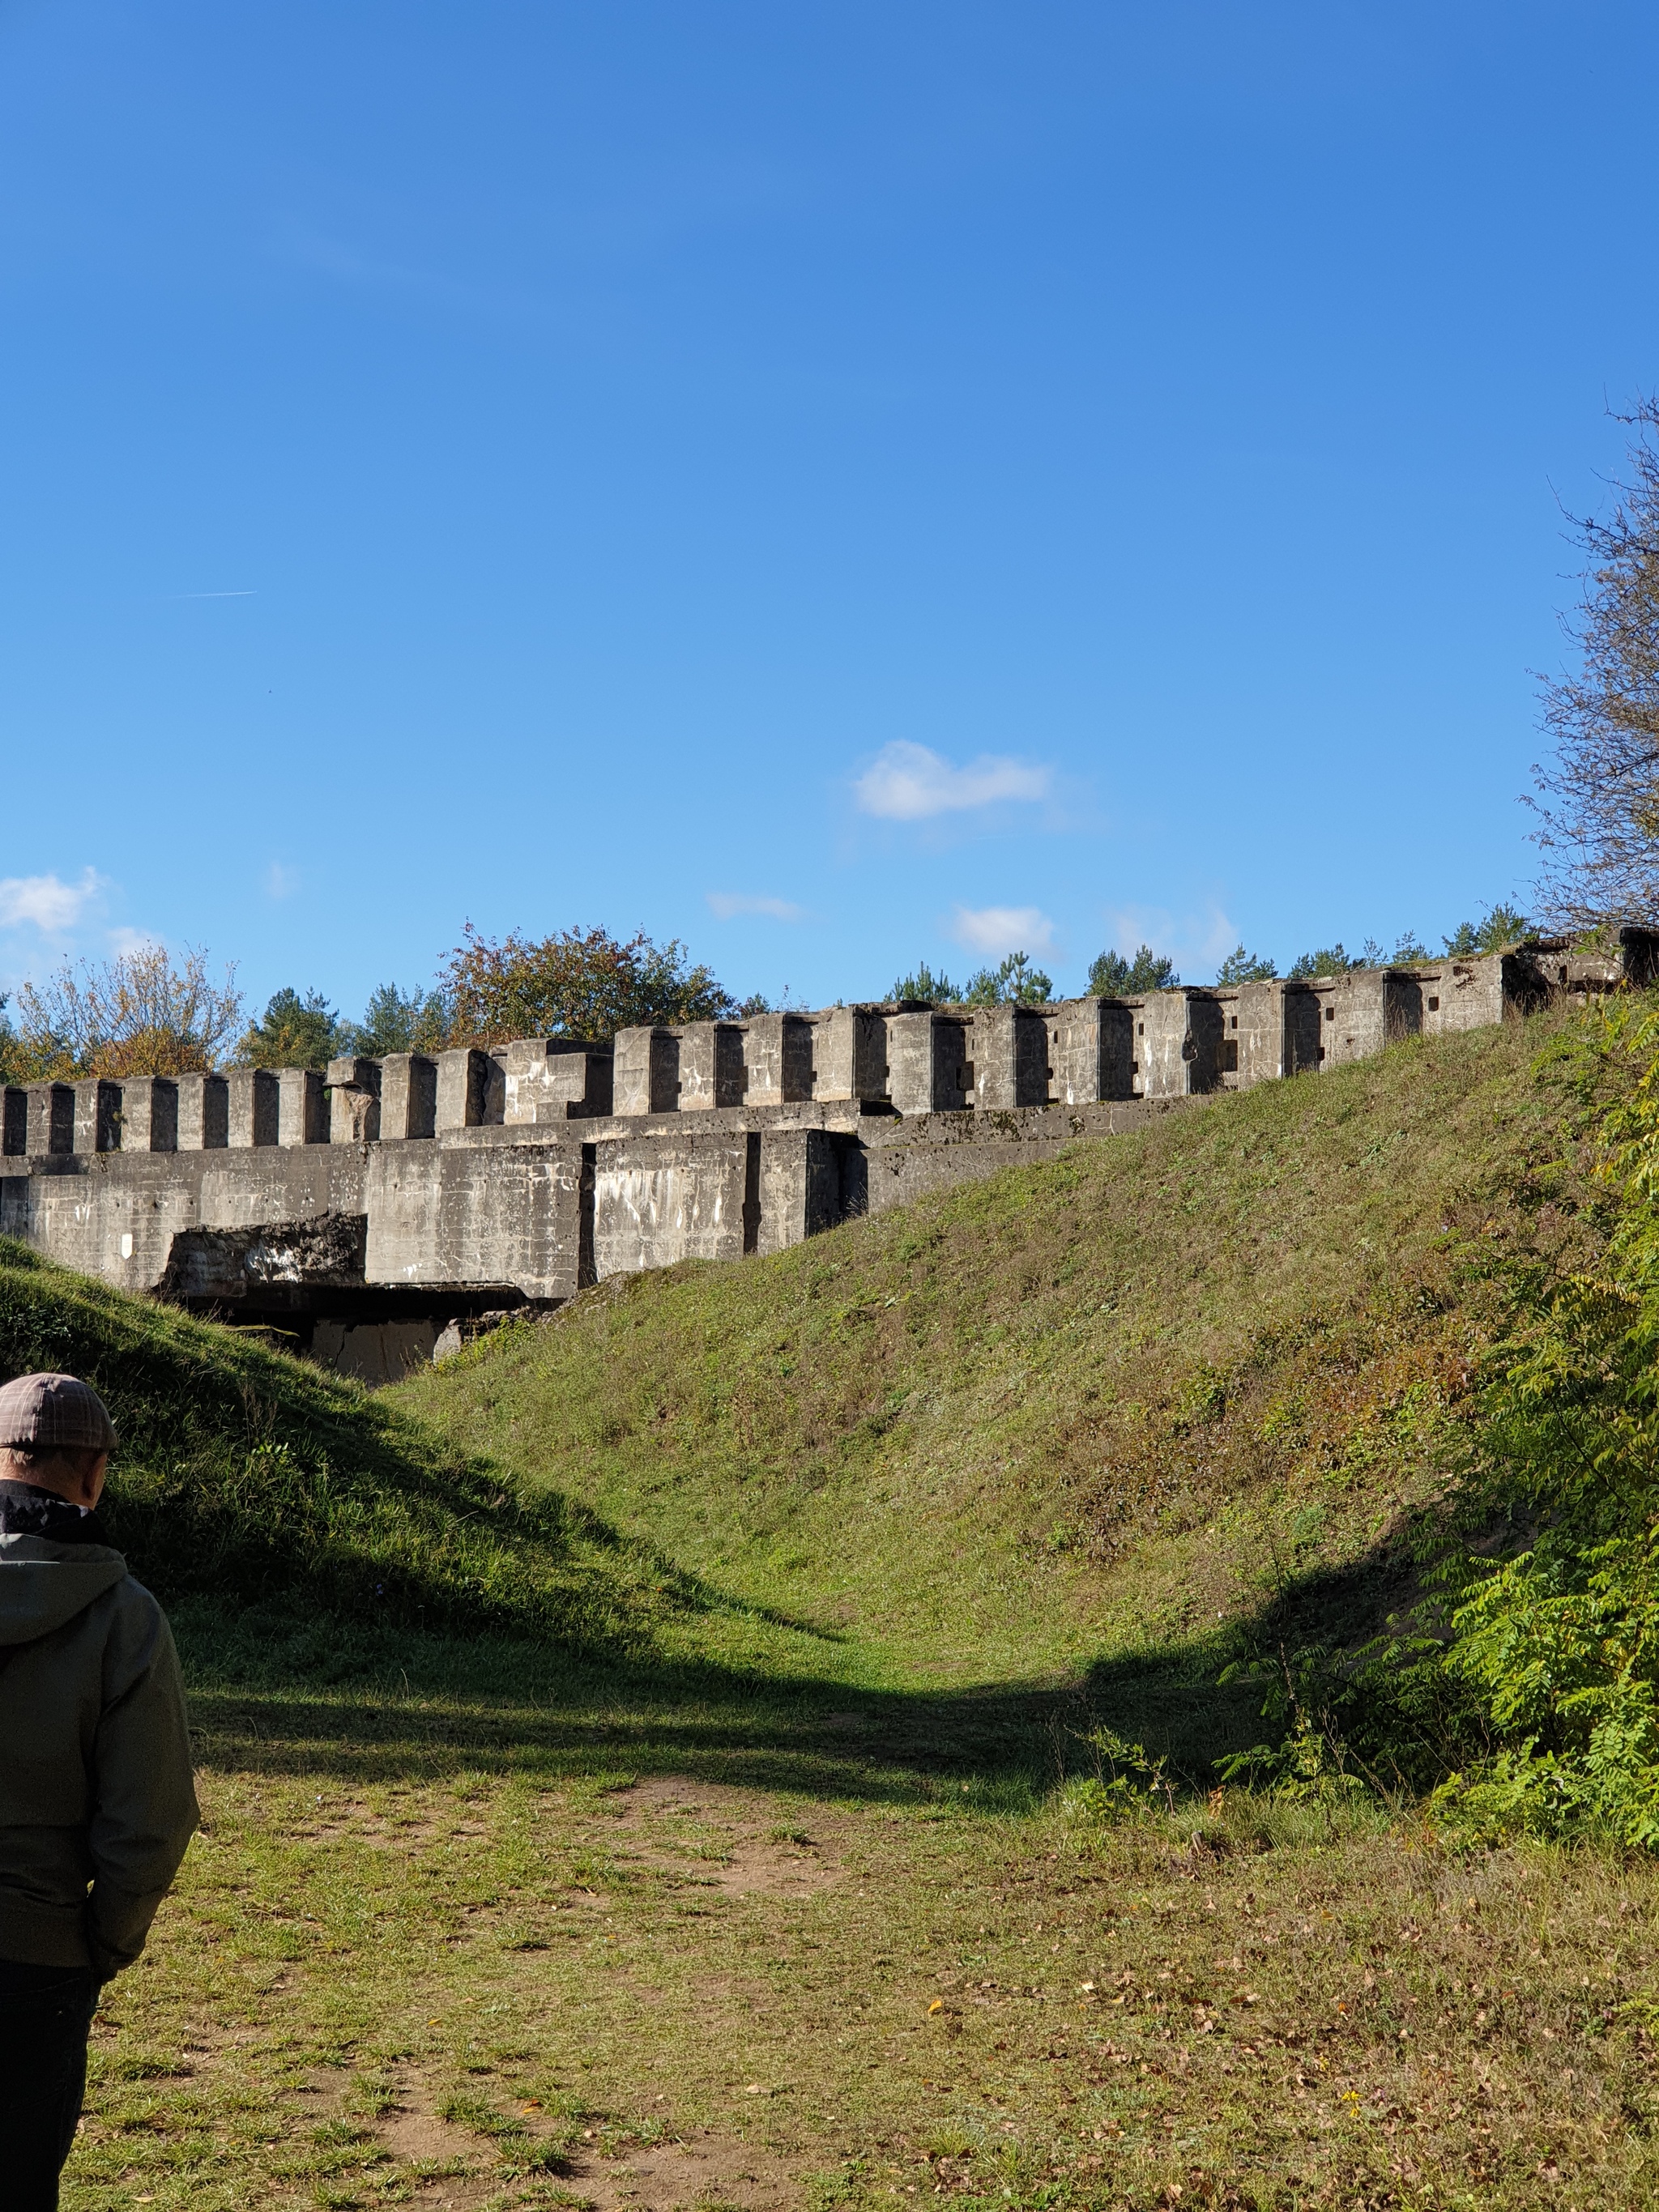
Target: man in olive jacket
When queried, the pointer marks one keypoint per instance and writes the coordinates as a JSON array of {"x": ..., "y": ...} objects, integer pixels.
[{"x": 97, "y": 1802}]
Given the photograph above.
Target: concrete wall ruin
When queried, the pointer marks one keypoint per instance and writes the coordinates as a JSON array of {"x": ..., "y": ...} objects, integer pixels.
[{"x": 472, "y": 1182}]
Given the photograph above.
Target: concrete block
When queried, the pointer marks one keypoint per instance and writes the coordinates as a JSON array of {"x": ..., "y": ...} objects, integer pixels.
[
  {"x": 810, "y": 1180},
  {"x": 647, "y": 1071},
  {"x": 1178, "y": 1044},
  {"x": 409, "y": 1095},
  {"x": 658, "y": 1199},
  {"x": 928, "y": 1069},
  {"x": 149, "y": 1115},
  {"x": 203, "y": 1113},
  {"x": 849, "y": 1055},
  {"x": 1010, "y": 1048},
  {"x": 15, "y": 1121},
  {"x": 1368, "y": 1008},
  {"x": 97, "y": 1115},
  {"x": 50, "y": 1117},
  {"x": 1271, "y": 1029},
  {"x": 777, "y": 1059},
  {"x": 1469, "y": 994},
  {"x": 712, "y": 1072},
  {"x": 547, "y": 1080},
  {"x": 463, "y": 1089},
  {"x": 254, "y": 1105},
  {"x": 301, "y": 1110},
  {"x": 353, "y": 1102},
  {"x": 1092, "y": 1050},
  {"x": 513, "y": 1214}
]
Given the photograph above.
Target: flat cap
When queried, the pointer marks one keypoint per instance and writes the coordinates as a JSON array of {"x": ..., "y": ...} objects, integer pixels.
[{"x": 58, "y": 1412}]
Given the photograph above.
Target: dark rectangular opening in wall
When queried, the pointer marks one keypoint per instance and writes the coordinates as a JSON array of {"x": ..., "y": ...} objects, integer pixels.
[
  {"x": 1230, "y": 1056},
  {"x": 586, "y": 1272},
  {"x": 1235, "y": 1021},
  {"x": 1434, "y": 1006},
  {"x": 1330, "y": 1013},
  {"x": 751, "y": 1199}
]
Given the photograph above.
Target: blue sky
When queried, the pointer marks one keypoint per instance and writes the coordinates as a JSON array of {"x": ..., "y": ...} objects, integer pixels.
[{"x": 834, "y": 484}]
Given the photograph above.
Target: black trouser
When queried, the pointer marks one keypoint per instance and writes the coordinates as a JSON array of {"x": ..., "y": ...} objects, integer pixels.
[{"x": 44, "y": 2016}]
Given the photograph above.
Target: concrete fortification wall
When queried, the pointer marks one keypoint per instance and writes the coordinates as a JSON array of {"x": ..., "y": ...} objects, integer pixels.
[{"x": 389, "y": 1204}]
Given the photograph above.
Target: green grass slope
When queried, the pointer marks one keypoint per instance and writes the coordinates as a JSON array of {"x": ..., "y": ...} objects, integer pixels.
[
  {"x": 249, "y": 1482},
  {"x": 1106, "y": 1407}
]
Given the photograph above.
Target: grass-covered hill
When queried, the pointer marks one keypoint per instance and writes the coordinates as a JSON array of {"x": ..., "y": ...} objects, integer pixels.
[
  {"x": 1081, "y": 1412},
  {"x": 247, "y": 1482},
  {"x": 1092, "y": 1420}
]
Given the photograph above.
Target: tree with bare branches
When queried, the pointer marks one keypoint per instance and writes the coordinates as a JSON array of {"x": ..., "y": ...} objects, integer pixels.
[
  {"x": 1599, "y": 794},
  {"x": 138, "y": 1014}
]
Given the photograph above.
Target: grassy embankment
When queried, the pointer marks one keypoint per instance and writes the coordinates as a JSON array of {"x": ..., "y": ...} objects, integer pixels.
[{"x": 677, "y": 1822}]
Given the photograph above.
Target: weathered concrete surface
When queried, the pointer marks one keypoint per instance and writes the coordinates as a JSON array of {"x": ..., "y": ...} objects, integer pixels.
[
  {"x": 675, "y": 1198},
  {"x": 902, "y": 1160},
  {"x": 460, "y": 1213},
  {"x": 1179, "y": 1037},
  {"x": 1011, "y": 1064},
  {"x": 409, "y": 1095},
  {"x": 779, "y": 1057},
  {"x": 221, "y": 1265},
  {"x": 149, "y": 1115}
]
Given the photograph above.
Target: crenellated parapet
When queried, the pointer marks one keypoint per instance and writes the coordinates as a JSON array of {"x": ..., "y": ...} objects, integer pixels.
[
  {"x": 471, "y": 1180},
  {"x": 905, "y": 1059}
]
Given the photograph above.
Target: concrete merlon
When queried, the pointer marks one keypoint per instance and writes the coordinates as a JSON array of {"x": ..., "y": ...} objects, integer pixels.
[
  {"x": 849, "y": 1055},
  {"x": 302, "y": 1114},
  {"x": 149, "y": 1115},
  {"x": 711, "y": 1072},
  {"x": 97, "y": 1115},
  {"x": 777, "y": 1054},
  {"x": 15, "y": 1121},
  {"x": 51, "y": 1118},
  {"x": 1368, "y": 1008},
  {"x": 1010, "y": 1056},
  {"x": 356, "y": 1071},
  {"x": 203, "y": 1113},
  {"x": 1271, "y": 1029},
  {"x": 409, "y": 1095},
  {"x": 1178, "y": 1044},
  {"x": 254, "y": 1108},
  {"x": 646, "y": 1072},
  {"x": 1092, "y": 1050},
  {"x": 1469, "y": 994},
  {"x": 554, "y": 1079},
  {"x": 352, "y": 1116},
  {"x": 463, "y": 1088},
  {"x": 928, "y": 1067}
]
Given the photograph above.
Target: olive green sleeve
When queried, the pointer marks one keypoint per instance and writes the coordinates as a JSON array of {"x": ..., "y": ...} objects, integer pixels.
[{"x": 145, "y": 1809}]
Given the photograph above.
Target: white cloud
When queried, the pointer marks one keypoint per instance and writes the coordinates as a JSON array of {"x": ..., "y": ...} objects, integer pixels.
[
  {"x": 727, "y": 904},
  {"x": 46, "y": 901},
  {"x": 909, "y": 783},
  {"x": 124, "y": 942},
  {"x": 1197, "y": 944},
  {"x": 996, "y": 930},
  {"x": 281, "y": 882}
]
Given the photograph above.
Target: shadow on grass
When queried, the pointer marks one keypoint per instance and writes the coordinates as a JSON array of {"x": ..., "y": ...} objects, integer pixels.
[{"x": 375, "y": 1705}]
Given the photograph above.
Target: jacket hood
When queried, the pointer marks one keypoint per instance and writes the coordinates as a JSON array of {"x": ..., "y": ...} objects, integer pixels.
[{"x": 43, "y": 1583}]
